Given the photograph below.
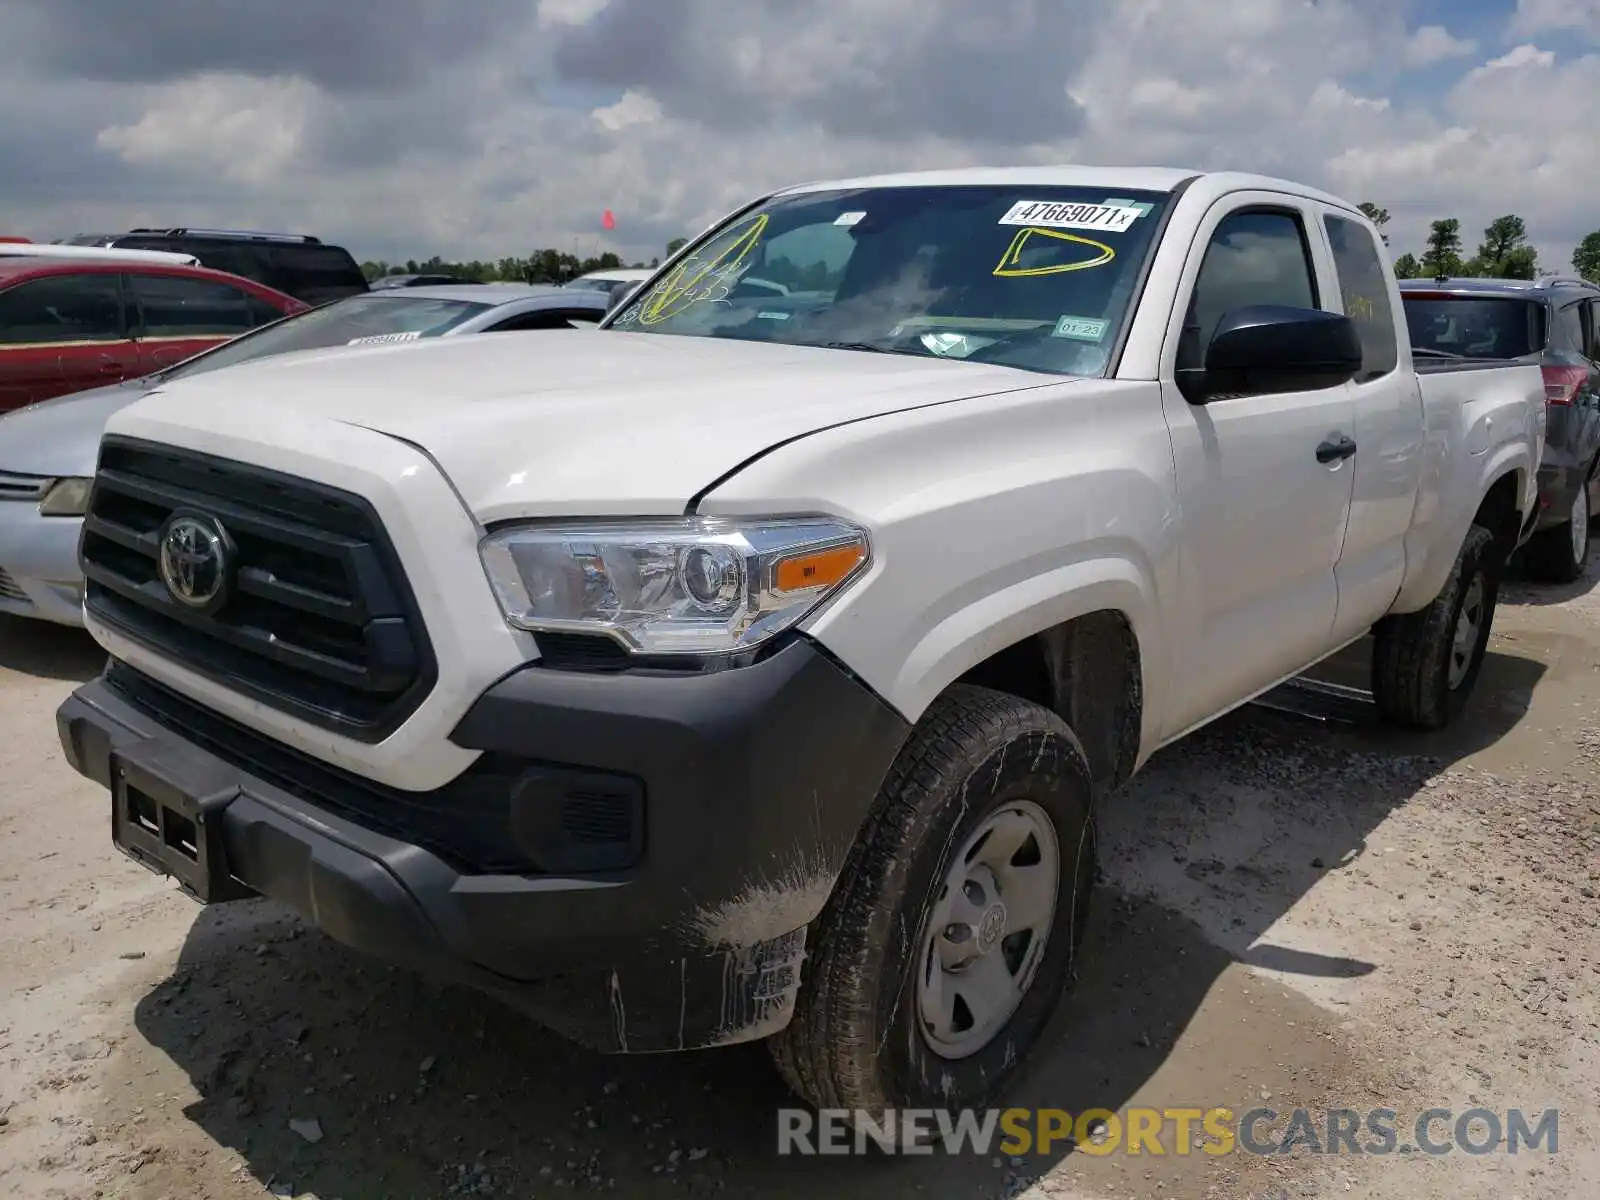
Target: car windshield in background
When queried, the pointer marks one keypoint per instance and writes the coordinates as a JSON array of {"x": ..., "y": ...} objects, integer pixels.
[
  {"x": 371, "y": 318},
  {"x": 1037, "y": 278},
  {"x": 1474, "y": 326}
]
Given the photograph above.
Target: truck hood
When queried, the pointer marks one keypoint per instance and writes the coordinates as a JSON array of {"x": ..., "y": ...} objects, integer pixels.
[
  {"x": 577, "y": 422},
  {"x": 61, "y": 437}
]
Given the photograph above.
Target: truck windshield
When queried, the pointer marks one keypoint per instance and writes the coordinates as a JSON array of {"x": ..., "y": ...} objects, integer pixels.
[
  {"x": 371, "y": 315},
  {"x": 1036, "y": 278},
  {"x": 1474, "y": 326}
]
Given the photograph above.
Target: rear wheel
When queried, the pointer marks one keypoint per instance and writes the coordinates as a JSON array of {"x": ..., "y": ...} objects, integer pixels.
[
  {"x": 955, "y": 925},
  {"x": 1424, "y": 664},
  {"x": 1560, "y": 554}
]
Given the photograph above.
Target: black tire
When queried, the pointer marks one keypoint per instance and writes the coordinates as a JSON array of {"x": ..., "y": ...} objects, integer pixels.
[
  {"x": 1411, "y": 656},
  {"x": 856, "y": 1041},
  {"x": 1551, "y": 556}
]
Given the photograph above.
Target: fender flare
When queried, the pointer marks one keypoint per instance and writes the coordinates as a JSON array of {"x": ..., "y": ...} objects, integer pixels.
[
  {"x": 988, "y": 624},
  {"x": 1423, "y": 583}
]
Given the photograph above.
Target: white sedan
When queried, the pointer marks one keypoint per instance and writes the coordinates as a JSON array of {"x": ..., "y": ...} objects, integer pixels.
[{"x": 48, "y": 450}]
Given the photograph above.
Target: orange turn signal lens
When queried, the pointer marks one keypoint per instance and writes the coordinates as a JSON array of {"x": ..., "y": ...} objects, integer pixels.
[{"x": 818, "y": 569}]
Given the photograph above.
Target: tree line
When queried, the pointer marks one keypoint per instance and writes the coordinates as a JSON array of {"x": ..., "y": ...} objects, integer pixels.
[
  {"x": 542, "y": 266},
  {"x": 1504, "y": 252}
]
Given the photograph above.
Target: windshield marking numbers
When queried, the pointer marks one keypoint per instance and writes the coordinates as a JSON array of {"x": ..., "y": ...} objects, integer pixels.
[
  {"x": 692, "y": 281},
  {"x": 1051, "y": 214}
]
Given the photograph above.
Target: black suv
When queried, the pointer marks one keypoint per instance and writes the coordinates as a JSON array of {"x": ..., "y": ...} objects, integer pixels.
[
  {"x": 1552, "y": 322},
  {"x": 304, "y": 267}
]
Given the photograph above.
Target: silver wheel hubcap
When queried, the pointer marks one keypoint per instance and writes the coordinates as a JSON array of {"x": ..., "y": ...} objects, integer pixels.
[
  {"x": 1465, "y": 643},
  {"x": 1580, "y": 524},
  {"x": 988, "y": 930}
]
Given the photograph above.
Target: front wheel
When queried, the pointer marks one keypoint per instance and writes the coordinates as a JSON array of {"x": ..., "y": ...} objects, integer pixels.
[
  {"x": 1560, "y": 554},
  {"x": 1424, "y": 664},
  {"x": 956, "y": 923}
]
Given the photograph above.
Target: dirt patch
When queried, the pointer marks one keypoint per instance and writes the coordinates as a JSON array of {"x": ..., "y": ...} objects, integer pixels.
[{"x": 1296, "y": 912}]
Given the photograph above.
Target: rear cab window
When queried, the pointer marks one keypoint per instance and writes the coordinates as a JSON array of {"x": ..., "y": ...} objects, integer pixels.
[
  {"x": 1470, "y": 326},
  {"x": 1364, "y": 291}
]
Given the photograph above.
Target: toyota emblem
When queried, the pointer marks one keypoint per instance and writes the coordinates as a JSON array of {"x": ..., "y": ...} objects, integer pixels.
[{"x": 193, "y": 560}]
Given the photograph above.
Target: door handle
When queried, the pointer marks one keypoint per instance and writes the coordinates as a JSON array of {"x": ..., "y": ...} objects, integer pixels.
[{"x": 1333, "y": 451}]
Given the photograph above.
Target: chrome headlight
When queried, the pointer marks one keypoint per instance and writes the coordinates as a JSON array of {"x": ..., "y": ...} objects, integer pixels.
[
  {"x": 691, "y": 585},
  {"x": 65, "y": 498}
]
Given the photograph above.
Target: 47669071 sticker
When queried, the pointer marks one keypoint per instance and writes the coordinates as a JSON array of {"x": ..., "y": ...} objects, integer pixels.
[{"x": 1051, "y": 214}]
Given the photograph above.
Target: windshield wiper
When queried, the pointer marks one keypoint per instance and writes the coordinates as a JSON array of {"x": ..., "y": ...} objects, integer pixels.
[
  {"x": 1424, "y": 352},
  {"x": 871, "y": 347}
]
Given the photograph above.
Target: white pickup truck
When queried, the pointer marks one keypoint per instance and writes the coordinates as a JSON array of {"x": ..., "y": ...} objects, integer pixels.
[{"x": 752, "y": 666}]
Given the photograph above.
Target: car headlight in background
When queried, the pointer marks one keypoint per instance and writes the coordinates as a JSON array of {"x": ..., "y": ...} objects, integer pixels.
[
  {"x": 66, "y": 498},
  {"x": 687, "y": 586}
]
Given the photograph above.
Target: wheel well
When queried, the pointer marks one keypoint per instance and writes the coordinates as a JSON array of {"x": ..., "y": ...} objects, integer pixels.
[
  {"x": 1088, "y": 671},
  {"x": 1499, "y": 515}
]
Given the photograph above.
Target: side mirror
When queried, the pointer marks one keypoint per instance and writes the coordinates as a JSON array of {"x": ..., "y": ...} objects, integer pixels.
[{"x": 1265, "y": 348}]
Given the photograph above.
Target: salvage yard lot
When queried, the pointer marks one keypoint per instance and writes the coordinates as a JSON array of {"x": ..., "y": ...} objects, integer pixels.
[{"x": 1295, "y": 912}]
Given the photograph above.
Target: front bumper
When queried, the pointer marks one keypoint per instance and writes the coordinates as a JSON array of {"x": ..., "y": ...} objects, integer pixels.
[
  {"x": 747, "y": 788},
  {"x": 39, "y": 573}
]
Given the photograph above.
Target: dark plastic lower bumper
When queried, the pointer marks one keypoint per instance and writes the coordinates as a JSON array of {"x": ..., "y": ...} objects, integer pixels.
[{"x": 745, "y": 790}]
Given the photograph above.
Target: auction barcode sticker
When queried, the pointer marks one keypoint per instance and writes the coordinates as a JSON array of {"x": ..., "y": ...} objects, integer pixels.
[
  {"x": 385, "y": 339},
  {"x": 1051, "y": 214}
]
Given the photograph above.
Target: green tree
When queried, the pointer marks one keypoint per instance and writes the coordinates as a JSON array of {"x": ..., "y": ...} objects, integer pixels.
[
  {"x": 1407, "y": 267},
  {"x": 675, "y": 245},
  {"x": 1443, "y": 255},
  {"x": 1586, "y": 258},
  {"x": 1378, "y": 216},
  {"x": 1505, "y": 253}
]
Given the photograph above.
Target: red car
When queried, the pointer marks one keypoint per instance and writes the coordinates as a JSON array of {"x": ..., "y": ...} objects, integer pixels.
[{"x": 67, "y": 325}]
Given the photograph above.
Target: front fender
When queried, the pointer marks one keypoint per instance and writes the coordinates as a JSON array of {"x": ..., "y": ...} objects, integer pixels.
[
  {"x": 981, "y": 627},
  {"x": 992, "y": 519}
]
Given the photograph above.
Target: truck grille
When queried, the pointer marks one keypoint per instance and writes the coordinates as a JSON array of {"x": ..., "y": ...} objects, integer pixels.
[{"x": 317, "y": 619}]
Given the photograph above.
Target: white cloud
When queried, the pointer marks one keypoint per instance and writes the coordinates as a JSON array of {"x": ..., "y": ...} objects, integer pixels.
[
  {"x": 569, "y": 12},
  {"x": 1434, "y": 43},
  {"x": 635, "y": 108},
  {"x": 248, "y": 129},
  {"x": 672, "y": 112},
  {"x": 1547, "y": 16},
  {"x": 1517, "y": 57}
]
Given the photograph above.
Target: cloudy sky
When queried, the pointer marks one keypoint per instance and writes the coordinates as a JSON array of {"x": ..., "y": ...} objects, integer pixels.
[{"x": 478, "y": 128}]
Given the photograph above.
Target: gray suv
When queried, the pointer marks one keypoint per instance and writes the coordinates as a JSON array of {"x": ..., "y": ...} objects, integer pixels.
[{"x": 1552, "y": 322}]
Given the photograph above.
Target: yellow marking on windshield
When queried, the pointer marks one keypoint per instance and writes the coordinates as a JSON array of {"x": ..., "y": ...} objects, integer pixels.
[
  {"x": 1010, "y": 261},
  {"x": 688, "y": 284}
]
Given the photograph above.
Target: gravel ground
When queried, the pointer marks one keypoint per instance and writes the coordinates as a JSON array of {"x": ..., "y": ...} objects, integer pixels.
[{"x": 1298, "y": 910}]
